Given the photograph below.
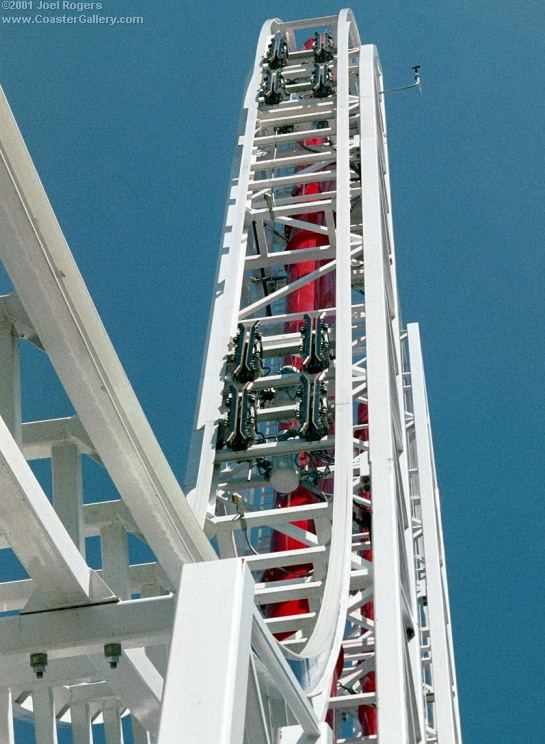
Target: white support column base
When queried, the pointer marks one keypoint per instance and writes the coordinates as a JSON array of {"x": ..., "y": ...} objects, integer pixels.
[
  {"x": 45, "y": 724},
  {"x": 135, "y": 681},
  {"x": 139, "y": 733},
  {"x": 7, "y": 735},
  {"x": 81, "y": 724},
  {"x": 113, "y": 731},
  {"x": 257, "y": 726},
  {"x": 158, "y": 655},
  {"x": 296, "y": 735},
  {"x": 204, "y": 696}
]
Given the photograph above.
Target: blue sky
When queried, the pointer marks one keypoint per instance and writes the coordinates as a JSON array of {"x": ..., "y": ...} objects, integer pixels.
[{"x": 132, "y": 130}]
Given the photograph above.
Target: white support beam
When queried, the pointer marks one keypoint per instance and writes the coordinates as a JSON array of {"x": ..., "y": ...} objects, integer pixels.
[
  {"x": 286, "y": 258},
  {"x": 50, "y": 557},
  {"x": 296, "y": 735},
  {"x": 45, "y": 724},
  {"x": 68, "y": 491},
  {"x": 353, "y": 701},
  {"x": 102, "y": 513},
  {"x": 318, "y": 273},
  {"x": 310, "y": 175},
  {"x": 90, "y": 693},
  {"x": 139, "y": 733},
  {"x": 7, "y": 735},
  {"x": 136, "y": 682},
  {"x": 278, "y": 163},
  {"x": 14, "y": 594},
  {"x": 81, "y": 723},
  {"x": 113, "y": 732},
  {"x": 274, "y": 517},
  {"x": 207, "y": 701},
  {"x": 39, "y": 437},
  {"x": 269, "y": 653},
  {"x": 39, "y": 262},
  {"x": 84, "y": 630},
  {"x": 16, "y": 674},
  {"x": 256, "y": 729},
  {"x": 115, "y": 558},
  {"x": 316, "y": 22},
  {"x": 273, "y": 448},
  {"x": 390, "y": 633},
  {"x": 12, "y": 312},
  {"x": 158, "y": 654},
  {"x": 447, "y": 721},
  {"x": 10, "y": 379}
]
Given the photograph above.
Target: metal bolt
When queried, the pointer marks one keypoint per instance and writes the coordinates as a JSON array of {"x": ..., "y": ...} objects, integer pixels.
[
  {"x": 112, "y": 652},
  {"x": 38, "y": 663}
]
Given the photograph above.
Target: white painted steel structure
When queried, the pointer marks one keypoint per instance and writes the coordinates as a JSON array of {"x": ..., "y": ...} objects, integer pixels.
[{"x": 236, "y": 672}]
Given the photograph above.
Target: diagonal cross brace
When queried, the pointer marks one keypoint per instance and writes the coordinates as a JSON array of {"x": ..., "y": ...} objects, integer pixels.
[{"x": 38, "y": 537}]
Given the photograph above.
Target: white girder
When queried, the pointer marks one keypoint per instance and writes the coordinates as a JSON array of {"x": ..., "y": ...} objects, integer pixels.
[
  {"x": 442, "y": 697},
  {"x": 397, "y": 717},
  {"x": 84, "y": 630},
  {"x": 257, "y": 690},
  {"x": 227, "y": 604},
  {"x": 37, "y": 258},
  {"x": 61, "y": 574}
]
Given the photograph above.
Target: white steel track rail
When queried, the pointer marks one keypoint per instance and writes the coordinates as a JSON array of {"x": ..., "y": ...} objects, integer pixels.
[
  {"x": 301, "y": 586},
  {"x": 397, "y": 709},
  {"x": 443, "y": 721}
]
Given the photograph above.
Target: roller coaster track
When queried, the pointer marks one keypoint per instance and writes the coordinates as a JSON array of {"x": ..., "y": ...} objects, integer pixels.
[{"x": 299, "y": 592}]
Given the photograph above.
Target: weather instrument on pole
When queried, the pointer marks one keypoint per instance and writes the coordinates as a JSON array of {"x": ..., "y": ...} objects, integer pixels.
[{"x": 299, "y": 591}]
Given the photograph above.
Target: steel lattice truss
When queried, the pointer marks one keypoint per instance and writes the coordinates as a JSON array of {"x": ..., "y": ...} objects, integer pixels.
[{"x": 311, "y": 473}]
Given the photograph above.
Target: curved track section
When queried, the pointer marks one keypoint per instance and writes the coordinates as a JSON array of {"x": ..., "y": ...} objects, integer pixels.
[{"x": 277, "y": 455}]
